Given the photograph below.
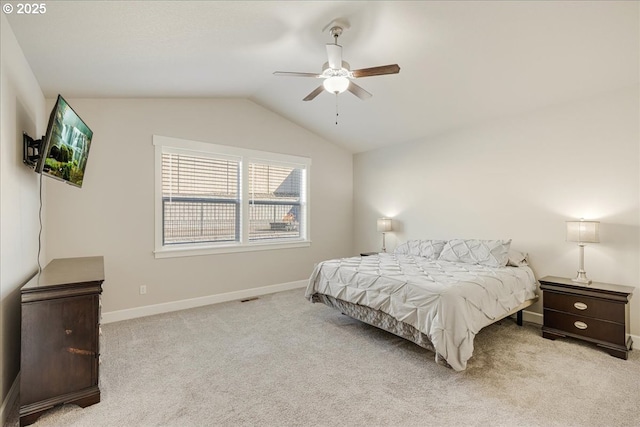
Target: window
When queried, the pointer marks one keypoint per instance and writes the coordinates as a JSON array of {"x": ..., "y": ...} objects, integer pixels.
[
  {"x": 274, "y": 201},
  {"x": 214, "y": 198}
]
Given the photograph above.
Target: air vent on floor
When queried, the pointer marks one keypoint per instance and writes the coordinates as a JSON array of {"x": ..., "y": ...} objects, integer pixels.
[{"x": 249, "y": 299}]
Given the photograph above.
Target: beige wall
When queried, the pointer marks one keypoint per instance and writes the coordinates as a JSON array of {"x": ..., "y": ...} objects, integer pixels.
[
  {"x": 520, "y": 178},
  {"x": 22, "y": 109},
  {"x": 113, "y": 213}
]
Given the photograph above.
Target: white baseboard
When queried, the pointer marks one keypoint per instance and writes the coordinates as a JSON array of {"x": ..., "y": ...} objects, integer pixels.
[
  {"x": 10, "y": 400},
  {"x": 530, "y": 316},
  {"x": 150, "y": 310}
]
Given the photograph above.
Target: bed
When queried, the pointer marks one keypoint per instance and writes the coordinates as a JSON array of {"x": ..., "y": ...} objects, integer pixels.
[{"x": 438, "y": 294}]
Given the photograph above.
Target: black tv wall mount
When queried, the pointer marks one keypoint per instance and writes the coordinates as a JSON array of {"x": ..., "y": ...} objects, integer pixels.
[{"x": 31, "y": 150}]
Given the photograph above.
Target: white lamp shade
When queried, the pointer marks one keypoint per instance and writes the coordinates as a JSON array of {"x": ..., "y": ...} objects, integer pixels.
[
  {"x": 583, "y": 231},
  {"x": 384, "y": 224},
  {"x": 336, "y": 84}
]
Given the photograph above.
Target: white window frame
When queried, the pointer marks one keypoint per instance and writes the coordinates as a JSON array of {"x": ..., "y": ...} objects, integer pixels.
[{"x": 165, "y": 144}]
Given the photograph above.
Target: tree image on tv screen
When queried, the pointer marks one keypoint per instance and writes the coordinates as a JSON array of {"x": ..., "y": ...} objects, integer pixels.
[{"x": 68, "y": 147}]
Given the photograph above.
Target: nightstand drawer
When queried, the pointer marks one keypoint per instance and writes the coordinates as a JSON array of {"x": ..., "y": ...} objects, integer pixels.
[
  {"x": 587, "y": 327},
  {"x": 585, "y": 306}
]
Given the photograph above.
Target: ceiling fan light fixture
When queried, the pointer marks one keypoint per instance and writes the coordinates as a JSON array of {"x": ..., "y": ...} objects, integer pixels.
[
  {"x": 336, "y": 84},
  {"x": 337, "y": 74}
]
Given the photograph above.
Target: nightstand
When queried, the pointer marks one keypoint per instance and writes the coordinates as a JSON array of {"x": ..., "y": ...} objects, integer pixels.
[
  {"x": 368, "y": 253},
  {"x": 597, "y": 313}
]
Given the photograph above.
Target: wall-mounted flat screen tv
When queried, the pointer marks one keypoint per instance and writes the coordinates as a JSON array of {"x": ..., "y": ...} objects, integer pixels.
[{"x": 65, "y": 147}]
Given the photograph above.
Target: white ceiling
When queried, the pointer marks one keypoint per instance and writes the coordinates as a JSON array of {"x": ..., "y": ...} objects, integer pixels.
[{"x": 461, "y": 63}]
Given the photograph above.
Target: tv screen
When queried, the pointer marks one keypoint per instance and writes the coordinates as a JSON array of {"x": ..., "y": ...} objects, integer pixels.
[{"x": 65, "y": 148}]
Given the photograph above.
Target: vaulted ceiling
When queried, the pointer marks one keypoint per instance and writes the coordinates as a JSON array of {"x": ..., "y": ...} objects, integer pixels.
[{"x": 462, "y": 63}]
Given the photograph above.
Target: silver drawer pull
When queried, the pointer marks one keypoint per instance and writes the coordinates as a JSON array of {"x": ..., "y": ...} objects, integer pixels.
[
  {"x": 580, "y": 305},
  {"x": 580, "y": 325}
]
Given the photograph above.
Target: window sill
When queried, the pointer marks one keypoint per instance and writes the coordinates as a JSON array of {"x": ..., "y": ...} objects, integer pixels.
[{"x": 173, "y": 252}]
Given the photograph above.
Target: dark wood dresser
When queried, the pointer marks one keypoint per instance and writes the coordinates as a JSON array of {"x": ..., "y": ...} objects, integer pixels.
[
  {"x": 60, "y": 345},
  {"x": 597, "y": 313}
]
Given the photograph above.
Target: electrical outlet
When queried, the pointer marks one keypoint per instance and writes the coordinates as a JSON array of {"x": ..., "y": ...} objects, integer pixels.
[{"x": 143, "y": 289}]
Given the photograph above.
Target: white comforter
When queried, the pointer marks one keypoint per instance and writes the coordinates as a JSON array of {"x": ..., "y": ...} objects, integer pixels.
[{"x": 448, "y": 302}]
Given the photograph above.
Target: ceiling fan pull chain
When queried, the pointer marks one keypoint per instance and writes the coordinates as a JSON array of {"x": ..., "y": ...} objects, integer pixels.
[{"x": 336, "y": 108}]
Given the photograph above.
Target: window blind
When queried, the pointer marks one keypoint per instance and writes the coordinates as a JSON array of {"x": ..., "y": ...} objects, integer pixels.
[{"x": 200, "y": 198}]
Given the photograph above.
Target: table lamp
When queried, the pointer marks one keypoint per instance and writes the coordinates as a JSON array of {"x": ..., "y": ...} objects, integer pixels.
[
  {"x": 384, "y": 225},
  {"x": 583, "y": 232}
]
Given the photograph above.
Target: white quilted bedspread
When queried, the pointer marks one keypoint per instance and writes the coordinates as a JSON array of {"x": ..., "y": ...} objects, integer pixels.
[{"x": 447, "y": 301}]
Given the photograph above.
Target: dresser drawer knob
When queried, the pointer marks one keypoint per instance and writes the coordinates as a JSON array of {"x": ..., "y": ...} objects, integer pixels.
[
  {"x": 580, "y": 305},
  {"x": 580, "y": 325}
]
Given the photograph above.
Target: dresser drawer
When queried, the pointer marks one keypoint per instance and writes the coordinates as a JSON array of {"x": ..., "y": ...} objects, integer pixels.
[
  {"x": 587, "y": 327},
  {"x": 585, "y": 306}
]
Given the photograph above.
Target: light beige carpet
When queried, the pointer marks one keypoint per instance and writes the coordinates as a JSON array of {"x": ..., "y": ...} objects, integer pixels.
[{"x": 282, "y": 361}]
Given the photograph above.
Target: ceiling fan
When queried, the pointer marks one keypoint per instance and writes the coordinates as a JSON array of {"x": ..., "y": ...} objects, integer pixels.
[{"x": 336, "y": 73}]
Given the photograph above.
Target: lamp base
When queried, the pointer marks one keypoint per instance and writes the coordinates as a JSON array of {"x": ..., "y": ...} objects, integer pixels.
[{"x": 581, "y": 278}]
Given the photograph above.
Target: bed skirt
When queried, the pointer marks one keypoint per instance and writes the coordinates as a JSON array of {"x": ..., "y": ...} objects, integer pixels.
[{"x": 380, "y": 320}]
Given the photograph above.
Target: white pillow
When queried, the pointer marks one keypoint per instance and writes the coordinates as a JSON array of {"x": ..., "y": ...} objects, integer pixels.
[
  {"x": 429, "y": 249},
  {"x": 492, "y": 253},
  {"x": 517, "y": 259}
]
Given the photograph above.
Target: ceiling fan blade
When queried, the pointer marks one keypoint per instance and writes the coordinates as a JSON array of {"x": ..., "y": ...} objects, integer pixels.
[
  {"x": 334, "y": 53},
  {"x": 358, "y": 91},
  {"x": 376, "y": 71},
  {"x": 295, "y": 74},
  {"x": 317, "y": 91}
]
